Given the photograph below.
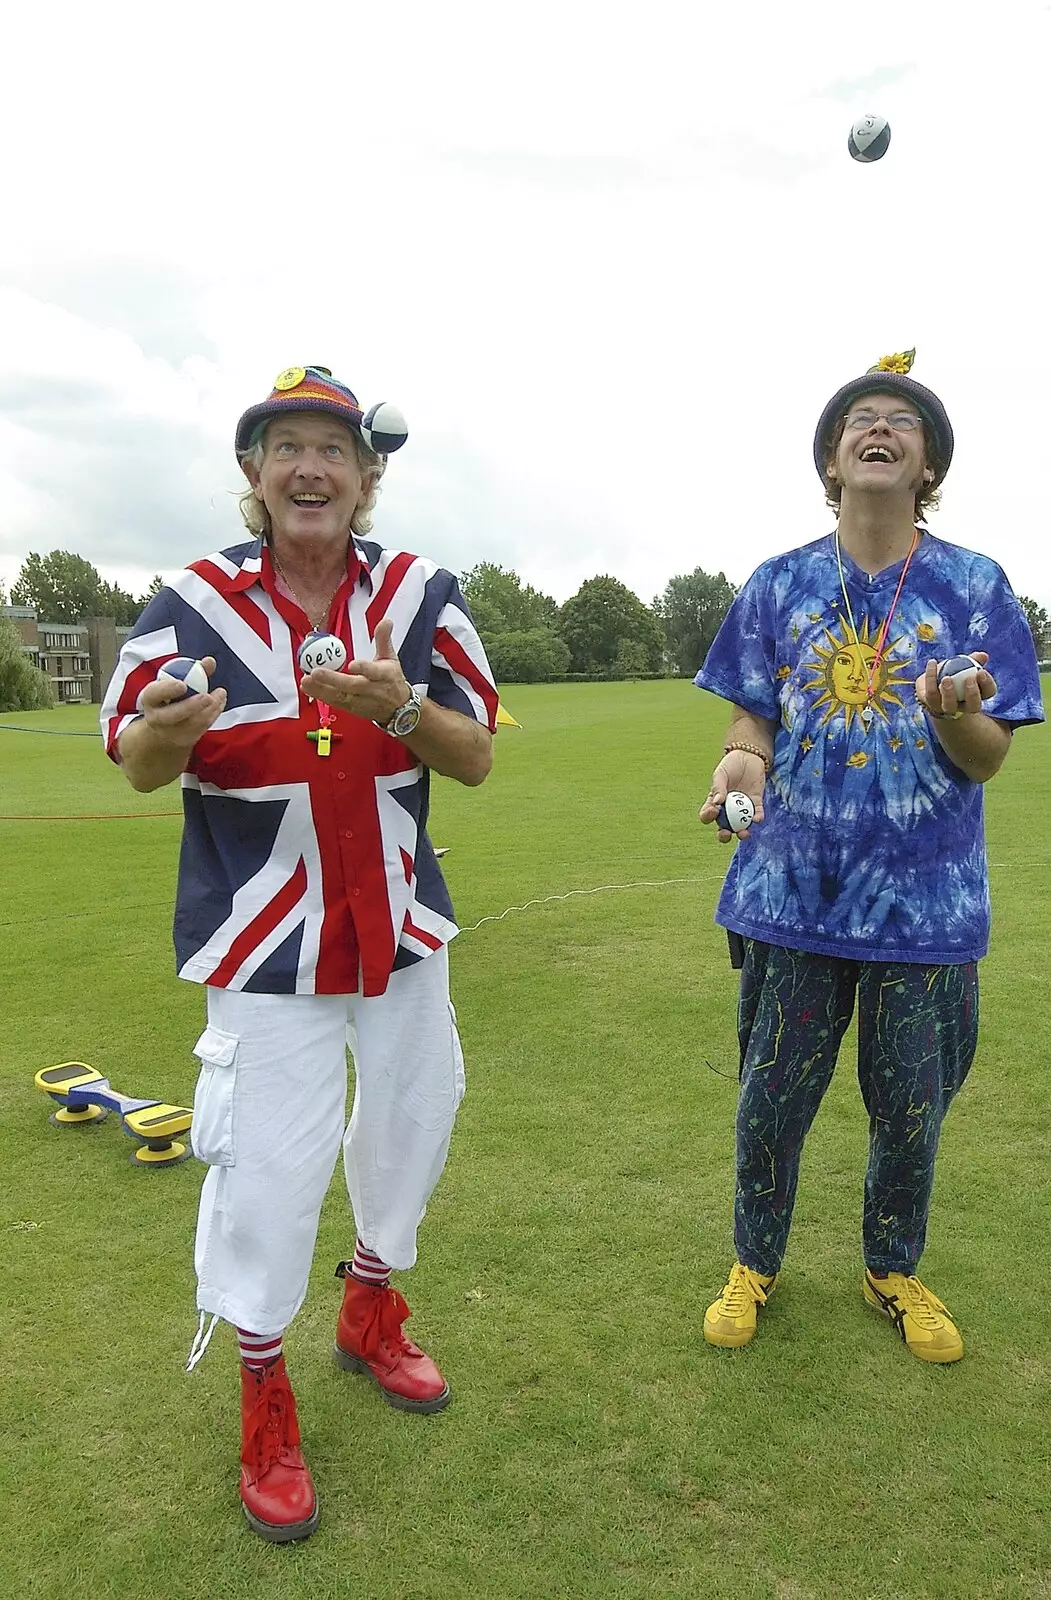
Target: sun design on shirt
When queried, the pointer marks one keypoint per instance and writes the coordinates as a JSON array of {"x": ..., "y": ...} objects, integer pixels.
[{"x": 842, "y": 670}]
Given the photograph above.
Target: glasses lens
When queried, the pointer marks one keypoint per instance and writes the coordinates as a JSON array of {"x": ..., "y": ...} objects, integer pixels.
[{"x": 900, "y": 421}]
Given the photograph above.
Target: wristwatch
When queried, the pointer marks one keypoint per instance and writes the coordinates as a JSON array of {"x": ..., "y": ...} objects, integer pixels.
[{"x": 407, "y": 717}]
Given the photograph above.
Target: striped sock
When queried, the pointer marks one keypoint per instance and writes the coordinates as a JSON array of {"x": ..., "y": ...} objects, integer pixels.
[
  {"x": 258, "y": 1350},
  {"x": 368, "y": 1268}
]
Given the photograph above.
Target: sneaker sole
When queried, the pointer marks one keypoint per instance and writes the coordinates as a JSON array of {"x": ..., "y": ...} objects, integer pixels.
[
  {"x": 281, "y": 1533},
  {"x": 398, "y": 1401},
  {"x": 935, "y": 1358},
  {"x": 722, "y": 1341}
]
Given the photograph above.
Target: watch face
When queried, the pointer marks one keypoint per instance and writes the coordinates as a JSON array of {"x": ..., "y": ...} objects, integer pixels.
[{"x": 405, "y": 720}]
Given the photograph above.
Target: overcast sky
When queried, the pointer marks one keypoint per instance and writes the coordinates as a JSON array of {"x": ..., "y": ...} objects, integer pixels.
[{"x": 610, "y": 260}]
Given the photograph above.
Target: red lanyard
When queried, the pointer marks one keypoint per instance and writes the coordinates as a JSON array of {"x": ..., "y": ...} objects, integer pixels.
[
  {"x": 323, "y": 735},
  {"x": 885, "y": 630},
  {"x": 877, "y": 659}
]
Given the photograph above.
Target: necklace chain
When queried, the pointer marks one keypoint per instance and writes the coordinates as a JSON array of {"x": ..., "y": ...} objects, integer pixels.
[{"x": 316, "y": 623}]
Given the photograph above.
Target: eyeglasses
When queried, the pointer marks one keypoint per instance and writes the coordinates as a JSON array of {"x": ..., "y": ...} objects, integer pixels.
[{"x": 900, "y": 421}]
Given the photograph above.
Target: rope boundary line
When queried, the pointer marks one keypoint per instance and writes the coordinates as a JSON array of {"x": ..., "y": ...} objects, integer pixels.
[
  {"x": 53, "y": 733},
  {"x": 541, "y": 900},
  {"x": 89, "y": 816}
]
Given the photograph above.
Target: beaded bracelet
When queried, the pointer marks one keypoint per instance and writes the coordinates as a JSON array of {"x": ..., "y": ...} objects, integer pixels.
[
  {"x": 944, "y": 716},
  {"x": 749, "y": 750},
  {"x": 940, "y": 716}
]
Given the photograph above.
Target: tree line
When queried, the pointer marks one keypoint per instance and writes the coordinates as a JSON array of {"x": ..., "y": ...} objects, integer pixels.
[
  {"x": 62, "y": 587},
  {"x": 606, "y": 631},
  {"x": 603, "y": 631}
]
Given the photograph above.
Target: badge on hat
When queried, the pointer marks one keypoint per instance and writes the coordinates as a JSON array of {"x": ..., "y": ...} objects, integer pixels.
[
  {"x": 900, "y": 363},
  {"x": 291, "y": 378}
]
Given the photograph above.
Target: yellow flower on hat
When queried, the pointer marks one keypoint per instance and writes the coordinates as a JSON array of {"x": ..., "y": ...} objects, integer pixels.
[{"x": 900, "y": 363}]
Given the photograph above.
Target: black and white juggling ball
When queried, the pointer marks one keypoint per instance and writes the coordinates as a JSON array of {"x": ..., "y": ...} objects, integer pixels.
[
  {"x": 184, "y": 669},
  {"x": 321, "y": 649},
  {"x": 736, "y": 812},
  {"x": 959, "y": 671},
  {"x": 869, "y": 138},
  {"x": 383, "y": 428}
]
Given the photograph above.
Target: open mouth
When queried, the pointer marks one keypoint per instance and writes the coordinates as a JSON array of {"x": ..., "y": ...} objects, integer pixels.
[
  {"x": 878, "y": 453},
  {"x": 308, "y": 501}
]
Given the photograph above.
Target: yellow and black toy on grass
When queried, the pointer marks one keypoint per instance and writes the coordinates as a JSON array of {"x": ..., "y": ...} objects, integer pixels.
[{"x": 84, "y": 1095}]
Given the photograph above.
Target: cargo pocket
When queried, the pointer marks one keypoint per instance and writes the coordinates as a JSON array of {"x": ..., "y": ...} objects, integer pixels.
[{"x": 212, "y": 1129}]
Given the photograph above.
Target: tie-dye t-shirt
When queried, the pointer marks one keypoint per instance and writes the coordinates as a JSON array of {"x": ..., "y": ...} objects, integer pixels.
[{"x": 873, "y": 845}]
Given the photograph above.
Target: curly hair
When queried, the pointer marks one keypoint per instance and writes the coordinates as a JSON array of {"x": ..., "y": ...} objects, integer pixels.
[
  {"x": 256, "y": 517},
  {"x": 927, "y": 499}
]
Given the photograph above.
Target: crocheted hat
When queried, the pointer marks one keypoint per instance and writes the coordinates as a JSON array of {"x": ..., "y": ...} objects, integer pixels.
[
  {"x": 315, "y": 389},
  {"x": 890, "y": 375}
]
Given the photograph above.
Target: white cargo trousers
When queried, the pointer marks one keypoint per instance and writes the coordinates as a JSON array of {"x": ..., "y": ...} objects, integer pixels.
[{"x": 269, "y": 1114}]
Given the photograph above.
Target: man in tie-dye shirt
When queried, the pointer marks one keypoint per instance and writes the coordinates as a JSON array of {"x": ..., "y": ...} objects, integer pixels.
[{"x": 863, "y": 876}]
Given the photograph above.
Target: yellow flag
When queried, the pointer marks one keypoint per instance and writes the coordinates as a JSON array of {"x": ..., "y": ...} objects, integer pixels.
[{"x": 504, "y": 719}]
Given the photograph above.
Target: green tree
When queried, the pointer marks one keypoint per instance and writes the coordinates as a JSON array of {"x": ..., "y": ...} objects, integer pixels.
[
  {"x": 599, "y": 617},
  {"x": 156, "y": 585},
  {"x": 113, "y": 601},
  {"x": 531, "y": 655},
  {"x": 690, "y": 611},
  {"x": 62, "y": 587},
  {"x": 631, "y": 659},
  {"x": 501, "y": 603},
  {"x": 23, "y": 687},
  {"x": 488, "y": 619},
  {"x": 1039, "y": 625}
]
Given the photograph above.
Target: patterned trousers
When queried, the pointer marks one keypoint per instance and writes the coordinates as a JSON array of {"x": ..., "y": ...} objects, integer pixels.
[{"x": 917, "y": 1033}]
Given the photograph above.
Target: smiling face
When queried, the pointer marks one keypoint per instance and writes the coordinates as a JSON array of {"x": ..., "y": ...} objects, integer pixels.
[
  {"x": 310, "y": 480},
  {"x": 879, "y": 452}
]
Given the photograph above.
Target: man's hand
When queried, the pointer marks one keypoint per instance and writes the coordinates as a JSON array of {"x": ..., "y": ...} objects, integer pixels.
[
  {"x": 177, "y": 718},
  {"x": 940, "y": 698},
  {"x": 372, "y": 689},
  {"x": 155, "y": 748},
  {"x": 976, "y": 741},
  {"x": 737, "y": 770}
]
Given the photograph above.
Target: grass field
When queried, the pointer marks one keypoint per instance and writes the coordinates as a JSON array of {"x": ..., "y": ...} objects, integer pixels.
[{"x": 596, "y": 1446}]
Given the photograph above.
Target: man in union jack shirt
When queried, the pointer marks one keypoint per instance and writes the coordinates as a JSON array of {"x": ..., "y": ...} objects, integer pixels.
[{"x": 310, "y": 903}]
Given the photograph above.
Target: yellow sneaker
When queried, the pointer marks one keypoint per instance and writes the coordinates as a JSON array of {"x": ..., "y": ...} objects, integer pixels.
[
  {"x": 730, "y": 1321},
  {"x": 919, "y": 1316}
]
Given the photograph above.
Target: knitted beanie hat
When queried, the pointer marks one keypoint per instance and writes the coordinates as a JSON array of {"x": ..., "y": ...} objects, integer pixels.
[
  {"x": 890, "y": 375},
  {"x": 315, "y": 389}
]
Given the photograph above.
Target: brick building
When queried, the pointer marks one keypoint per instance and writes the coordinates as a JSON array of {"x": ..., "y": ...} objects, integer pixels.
[{"x": 78, "y": 657}]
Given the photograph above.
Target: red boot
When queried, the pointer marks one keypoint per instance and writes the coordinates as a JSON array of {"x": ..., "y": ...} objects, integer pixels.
[
  {"x": 369, "y": 1339},
  {"x": 277, "y": 1491}
]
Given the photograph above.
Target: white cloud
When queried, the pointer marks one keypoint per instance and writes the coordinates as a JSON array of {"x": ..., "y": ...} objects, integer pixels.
[{"x": 610, "y": 261}]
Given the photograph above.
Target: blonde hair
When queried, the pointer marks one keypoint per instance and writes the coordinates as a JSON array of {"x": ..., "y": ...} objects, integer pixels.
[{"x": 256, "y": 517}]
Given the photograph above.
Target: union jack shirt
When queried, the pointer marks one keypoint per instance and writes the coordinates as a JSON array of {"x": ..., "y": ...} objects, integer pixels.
[{"x": 301, "y": 873}]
